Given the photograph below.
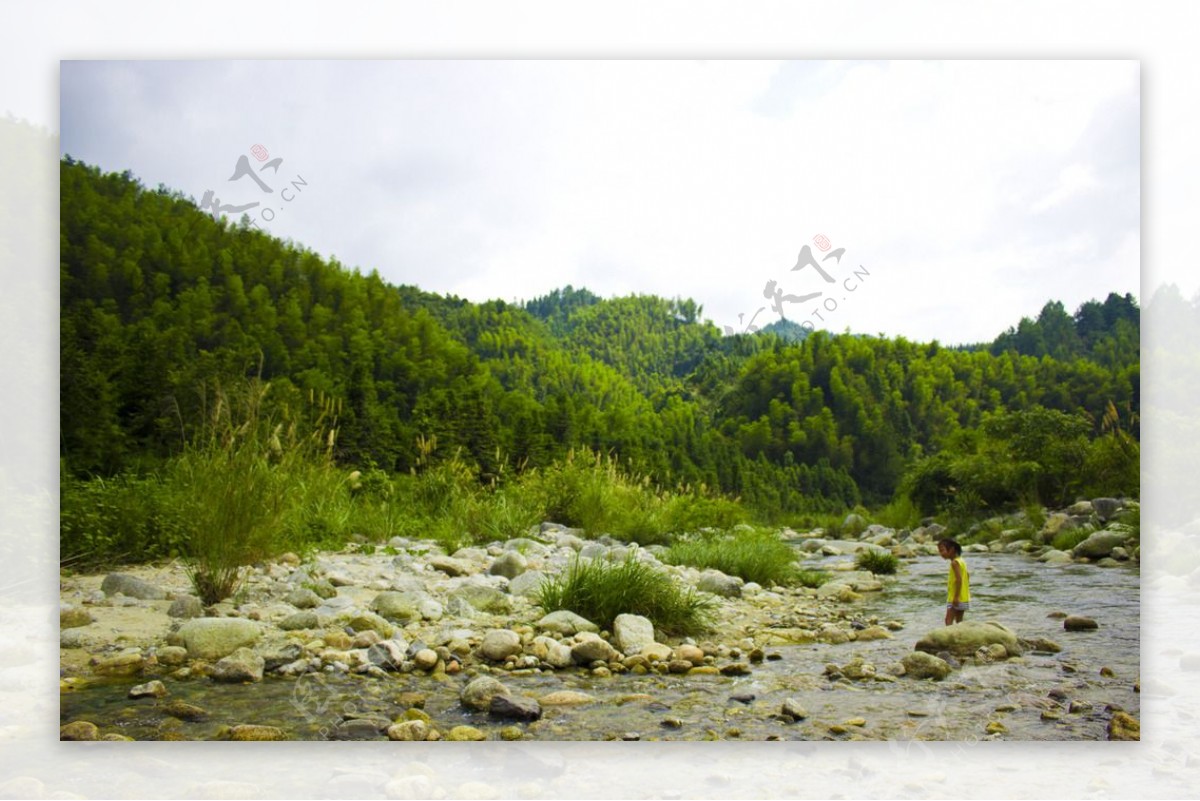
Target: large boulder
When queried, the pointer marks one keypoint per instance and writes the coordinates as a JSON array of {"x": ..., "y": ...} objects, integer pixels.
[
  {"x": 131, "y": 587},
  {"x": 632, "y": 633},
  {"x": 480, "y": 691},
  {"x": 921, "y": 665},
  {"x": 964, "y": 639},
  {"x": 1100, "y": 544},
  {"x": 217, "y": 637}
]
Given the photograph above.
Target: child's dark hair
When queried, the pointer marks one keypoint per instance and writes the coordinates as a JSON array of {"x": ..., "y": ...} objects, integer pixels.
[{"x": 952, "y": 545}]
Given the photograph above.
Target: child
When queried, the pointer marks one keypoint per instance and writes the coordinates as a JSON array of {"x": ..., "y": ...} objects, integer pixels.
[{"x": 958, "y": 583}]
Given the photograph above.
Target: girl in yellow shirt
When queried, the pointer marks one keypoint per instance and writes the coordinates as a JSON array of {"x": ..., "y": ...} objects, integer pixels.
[{"x": 958, "y": 583}]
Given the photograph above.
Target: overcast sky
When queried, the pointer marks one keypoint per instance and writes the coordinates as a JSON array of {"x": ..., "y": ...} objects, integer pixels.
[{"x": 965, "y": 194}]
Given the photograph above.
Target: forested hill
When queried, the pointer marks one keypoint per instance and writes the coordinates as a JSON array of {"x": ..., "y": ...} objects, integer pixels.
[{"x": 159, "y": 301}]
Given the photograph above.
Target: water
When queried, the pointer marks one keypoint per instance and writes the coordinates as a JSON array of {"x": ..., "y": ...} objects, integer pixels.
[{"x": 1016, "y": 694}]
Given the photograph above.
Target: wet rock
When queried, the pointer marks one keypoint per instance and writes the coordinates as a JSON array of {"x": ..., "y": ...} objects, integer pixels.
[
  {"x": 217, "y": 637},
  {"x": 184, "y": 711},
  {"x": 735, "y": 669},
  {"x": 566, "y": 698},
  {"x": 552, "y": 652},
  {"x": 508, "y": 707},
  {"x": 186, "y": 607},
  {"x": 172, "y": 655},
  {"x": 463, "y": 734},
  {"x": 251, "y": 732},
  {"x": 509, "y": 564},
  {"x": 131, "y": 587},
  {"x": 151, "y": 689},
  {"x": 1054, "y": 557},
  {"x": 1080, "y": 623},
  {"x": 632, "y": 633},
  {"x": 412, "y": 731},
  {"x": 426, "y": 659},
  {"x": 478, "y": 693},
  {"x": 130, "y": 662},
  {"x": 243, "y": 665},
  {"x": 277, "y": 658},
  {"x": 689, "y": 653},
  {"x": 566, "y": 622},
  {"x": 1100, "y": 544},
  {"x": 996, "y": 727},
  {"x": 793, "y": 710},
  {"x": 833, "y": 635},
  {"x": 79, "y": 730},
  {"x": 499, "y": 644},
  {"x": 361, "y": 729},
  {"x": 922, "y": 665},
  {"x": 873, "y": 633},
  {"x": 964, "y": 639},
  {"x": 300, "y": 621},
  {"x": 1123, "y": 726},
  {"x": 1040, "y": 645},
  {"x": 72, "y": 617}
]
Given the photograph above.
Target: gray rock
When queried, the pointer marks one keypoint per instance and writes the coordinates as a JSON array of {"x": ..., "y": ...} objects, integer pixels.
[
  {"x": 398, "y": 607},
  {"x": 240, "y": 666},
  {"x": 509, "y": 564},
  {"x": 964, "y": 639},
  {"x": 187, "y": 607},
  {"x": 321, "y": 588},
  {"x": 479, "y": 692},
  {"x": 388, "y": 654},
  {"x": 171, "y": 655},
  {"x": 307, "y": 619},
  {"x": 528, "y": 584},
  {"x": 303, "y": 598},
  {"x": 480, "y": 598},
  {"x": 499, "y": 644},
  {"x": 632, "y": 633},
  {"x": 1106, "y": 508},
  {"x": 1100, "y": 544},
  {"x": 853, "y": 525},
  {"x": 361, "y": 729},
  {"x": 450, "y": 566},
  {"x": 591, "y": 650},
  {"x": 566, "y": 622},
  {"x": 512, "y": 708},
  {"x": 151, "y": 689},
  {"x": 273, "y": 660},
  {"x": 131, "y": 587},
  {"x": 793, "y": 709},
  {"x": 921, "y": 665},
  {"x": 718, "y": 583},
  {"x": 217, "y": 637},
  {"x": 1080, "y": 509}
]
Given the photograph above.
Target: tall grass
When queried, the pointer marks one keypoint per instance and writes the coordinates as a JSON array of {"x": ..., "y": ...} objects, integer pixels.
[
  {"x": 877, "y": 562},
  {"x": 599, "y": 591},
  {"x": 756, "y": 555}
]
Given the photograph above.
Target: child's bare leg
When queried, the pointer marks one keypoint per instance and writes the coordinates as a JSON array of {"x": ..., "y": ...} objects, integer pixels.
[{"x": 950, "y": 616}]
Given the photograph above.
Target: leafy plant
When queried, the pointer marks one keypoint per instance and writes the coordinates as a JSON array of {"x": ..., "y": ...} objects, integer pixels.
[
  {"x": 757, "y": 555},
  {"x": 599, "y": 591},
  {"x": 878, "y": 562}
]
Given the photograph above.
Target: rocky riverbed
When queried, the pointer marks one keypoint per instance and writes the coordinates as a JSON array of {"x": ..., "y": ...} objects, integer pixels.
[{"x": 407, "y": 642}]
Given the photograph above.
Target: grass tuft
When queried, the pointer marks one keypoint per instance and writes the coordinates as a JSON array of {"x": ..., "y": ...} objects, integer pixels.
[
  {"x": 878, "y": 562},
  {"x": 757, "y": 555}
]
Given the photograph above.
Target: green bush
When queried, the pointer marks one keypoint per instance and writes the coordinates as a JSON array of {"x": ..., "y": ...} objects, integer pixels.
[
  {"x": 127, "y": 518},
  {"x": 878, "y": 562},
  {"x": 599, "y": 591},
  {"x": 758, "y": 556},
  {"x": 811, "y": 578},
  {"x": 1066, "y": 540}
]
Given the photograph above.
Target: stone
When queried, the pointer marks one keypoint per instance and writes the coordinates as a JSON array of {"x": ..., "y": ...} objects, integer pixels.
[
  {"x": 735, "y": 669},
  {"x": 793, "y": 709},
  {"x": 632, "y": 633},
  {"x": 921, "y": 665},
  {"x": 1041, "y": 645},
  {"x": 373, "y": 622},
  {"x": 251, "y": 732},
  {"x": 1055, "y": 557},
  {"x": 1106, "y": 508},
  {"x": 1079, "y": 623},
  {"x": 303, "y": 598},
  {"x": 566, "y": 622},
  {"x": 591, "y": 650},
  {"x": 509, "y": 707},
  {"x": 171, "y": 655},
  {"x": 186, "y": 607},
  {"x": 964, "y": 639},
  {"x": 566, "y": 698},
  {"x": 527, "y": 584},
  {"x": 499, "y": 644},
  {"x": 465, "y": 734},
  {"x": 72, "y": 617},
  {"x": 184, "y": 711},
  {"x": 450, "y": 566},
  {"x": 127, "y": 663},
  {"x": 398, "y": 607},
  {"x": 243, "y": 665},
  {"x": 131, "y": 587},
  {"x": 216, "y": 637},
  {"x": 151, "y": 689},
  {"x": 657, "y": 652},
  {"x": 873, "y": 633},
  {"x": 853, "y": 525},
  {"x": 690, "y": 654},
  {"x": 995, "y": 727},
  {"x": 1099, "y": 544},
  {"x": 299, "y": 621},
  {"x": 1080, "y": 509},
  {"x": 478, "y": 693},
  {"x": 509, "y": 564},
  {"x": 425, "y": 659},
  {"x": 79, "y": 730},
  {"x": 718, "y": 583},
  {"x": 410, "y": 731},
  {"x": 471, "y": 598},
  {"x": 361, "y": 729}
]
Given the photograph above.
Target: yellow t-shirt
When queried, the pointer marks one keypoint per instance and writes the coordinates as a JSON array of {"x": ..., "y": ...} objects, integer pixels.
[{"x": 965, "y": 595}]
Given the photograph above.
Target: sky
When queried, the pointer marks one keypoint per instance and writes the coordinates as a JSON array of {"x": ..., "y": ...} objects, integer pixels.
[{"x": 938, "y": 199}]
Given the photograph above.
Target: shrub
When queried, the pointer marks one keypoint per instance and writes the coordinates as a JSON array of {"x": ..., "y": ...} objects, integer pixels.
[
  {"x": 599, "y": 591},
  {"x": 758, "y": 556},
  {"x": 1066, "y": 540},
  {"x": 878, "y": 562},
  {"x": 811, "y": 578}
]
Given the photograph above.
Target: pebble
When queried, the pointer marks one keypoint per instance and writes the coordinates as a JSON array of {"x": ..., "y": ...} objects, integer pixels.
[
  {"x": 996, "y": 727},
  {"x": 151, "y": 689}
]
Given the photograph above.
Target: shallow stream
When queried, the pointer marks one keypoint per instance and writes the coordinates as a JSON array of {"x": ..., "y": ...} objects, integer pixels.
[{"x": 1061, "y": 696}]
